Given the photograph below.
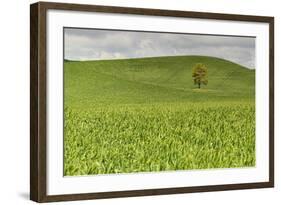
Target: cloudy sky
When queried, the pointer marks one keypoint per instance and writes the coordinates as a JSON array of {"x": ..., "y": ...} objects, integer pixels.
[{"x": 92, "y": 44}]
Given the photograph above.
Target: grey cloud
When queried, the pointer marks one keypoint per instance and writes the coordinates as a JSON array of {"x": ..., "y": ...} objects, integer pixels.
[{"x": 85, "y": 44}]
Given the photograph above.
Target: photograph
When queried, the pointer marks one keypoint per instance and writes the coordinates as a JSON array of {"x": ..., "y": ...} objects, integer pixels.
[
  {"x": 149, "y": 101},
  {"x": 128, "y": 101}
]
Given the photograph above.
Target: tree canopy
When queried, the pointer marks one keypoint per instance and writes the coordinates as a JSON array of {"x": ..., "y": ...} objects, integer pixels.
[{"x": 199, "y": 74}]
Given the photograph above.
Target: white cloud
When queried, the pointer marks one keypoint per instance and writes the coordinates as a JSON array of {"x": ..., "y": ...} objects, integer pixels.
[{"x": 85, "y": 44}]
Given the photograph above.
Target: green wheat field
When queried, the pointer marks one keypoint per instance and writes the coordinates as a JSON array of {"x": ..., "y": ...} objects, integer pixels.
[{"x": 146, "y": 115}]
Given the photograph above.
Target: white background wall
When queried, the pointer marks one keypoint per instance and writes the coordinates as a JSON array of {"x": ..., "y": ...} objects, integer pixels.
[{"x": 14, "y": 101}]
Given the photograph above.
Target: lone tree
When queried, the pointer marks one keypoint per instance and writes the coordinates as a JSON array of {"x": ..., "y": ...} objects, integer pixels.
[{"x": 199, "y": 74}]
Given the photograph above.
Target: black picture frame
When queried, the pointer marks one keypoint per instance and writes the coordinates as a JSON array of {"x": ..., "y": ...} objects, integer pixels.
[{"x": 38, "y": 101}]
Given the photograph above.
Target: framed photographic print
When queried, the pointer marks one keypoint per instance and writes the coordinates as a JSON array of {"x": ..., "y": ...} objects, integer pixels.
[{"x": 134, "y": 102}]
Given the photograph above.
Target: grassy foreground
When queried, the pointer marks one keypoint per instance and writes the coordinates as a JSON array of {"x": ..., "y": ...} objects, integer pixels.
[{"x": 140, "y": 115}]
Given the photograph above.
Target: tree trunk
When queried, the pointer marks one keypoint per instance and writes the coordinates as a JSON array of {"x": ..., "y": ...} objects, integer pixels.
[{"x": 199, "y": 85}]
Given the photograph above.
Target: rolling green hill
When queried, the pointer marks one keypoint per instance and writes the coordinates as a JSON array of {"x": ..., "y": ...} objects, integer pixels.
[
  {"x": 151, "y": 80},
  {"x": 146, "y": 115}
]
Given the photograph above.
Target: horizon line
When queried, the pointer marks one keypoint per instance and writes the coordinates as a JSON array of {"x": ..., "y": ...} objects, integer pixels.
[{"x": 135, "y": 58}]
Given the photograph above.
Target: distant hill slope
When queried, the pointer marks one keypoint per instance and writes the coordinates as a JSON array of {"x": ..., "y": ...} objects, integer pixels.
[{"x": 157, "y": 79}]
